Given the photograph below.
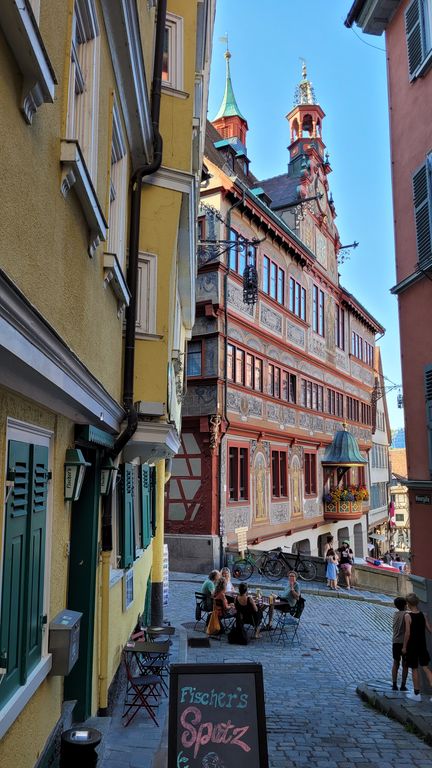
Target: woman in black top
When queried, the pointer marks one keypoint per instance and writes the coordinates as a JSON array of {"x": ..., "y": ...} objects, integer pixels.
[
  {"x": 414, "y": 644},
  {"x": 247, "y": 609}
]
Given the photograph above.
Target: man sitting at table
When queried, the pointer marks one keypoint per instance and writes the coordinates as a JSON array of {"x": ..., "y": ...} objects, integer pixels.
[
  {"x": 291, "y": 593},
  {"x": 208, "y": 589}
]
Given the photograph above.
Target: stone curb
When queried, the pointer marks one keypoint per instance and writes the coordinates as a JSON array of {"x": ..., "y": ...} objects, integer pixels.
[{"x": 396, "y": 706}]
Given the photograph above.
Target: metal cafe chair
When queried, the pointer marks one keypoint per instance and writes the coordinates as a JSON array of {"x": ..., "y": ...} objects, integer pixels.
[
  {"x": 153, "y": 634},
  {"x": 287, "y": 621},
  {"x": 153, "y": 659},
  {"x": 202, "y": 613},
  {"x": 141, "y": 689}
]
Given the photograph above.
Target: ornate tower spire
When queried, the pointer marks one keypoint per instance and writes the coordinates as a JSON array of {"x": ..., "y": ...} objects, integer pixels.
[
  {"x": 304, "y": 93},
  {"x": 229, "y": 121}
]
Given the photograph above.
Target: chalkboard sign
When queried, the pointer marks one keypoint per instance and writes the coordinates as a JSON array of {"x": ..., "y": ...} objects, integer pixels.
[{"x": 217, "y": 716}]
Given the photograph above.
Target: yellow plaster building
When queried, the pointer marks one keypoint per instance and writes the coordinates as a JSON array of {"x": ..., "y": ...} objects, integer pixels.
[{"x": 94, "y": 95}]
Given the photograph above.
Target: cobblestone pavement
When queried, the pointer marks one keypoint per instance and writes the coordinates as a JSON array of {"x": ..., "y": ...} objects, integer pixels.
[{"x": 314, "y": 716}]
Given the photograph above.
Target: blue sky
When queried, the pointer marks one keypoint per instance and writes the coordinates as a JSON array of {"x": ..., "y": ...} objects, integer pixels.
[{"x": 267, "y": 42}]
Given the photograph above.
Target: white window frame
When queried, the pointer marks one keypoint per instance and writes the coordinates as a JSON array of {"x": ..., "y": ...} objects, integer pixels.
[
  {"x": 83, "y": 92},
  {"x": 146, "y": 295},
  {"x": 174, "y": 25},
  {"x": 118, "y": 191},
  {"x": 35, "y": 6},
  {"x": 30, "y": 433}
]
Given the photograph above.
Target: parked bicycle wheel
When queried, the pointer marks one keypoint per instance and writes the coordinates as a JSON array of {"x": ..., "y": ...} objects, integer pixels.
[
  {"x": 306, "y": 570},
  {"x": 274, "y": 569},
  {"x": 242, "y": 569}
]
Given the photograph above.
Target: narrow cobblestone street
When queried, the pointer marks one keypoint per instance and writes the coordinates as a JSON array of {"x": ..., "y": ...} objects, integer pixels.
[{"x": 314, "y": 716}]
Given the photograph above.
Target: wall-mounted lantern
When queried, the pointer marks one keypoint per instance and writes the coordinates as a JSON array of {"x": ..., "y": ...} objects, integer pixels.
[
  {"x": 108, "y": 475},
  {"x": 75, "y": 467}
]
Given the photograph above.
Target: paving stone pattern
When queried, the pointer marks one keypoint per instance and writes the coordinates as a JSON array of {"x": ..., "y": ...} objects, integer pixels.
[{"x": 314, "y": 716}]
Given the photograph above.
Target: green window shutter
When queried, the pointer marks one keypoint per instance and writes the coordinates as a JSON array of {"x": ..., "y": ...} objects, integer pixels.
[
  {"x": 153, "y": 500},
  {"x": 14, "y": 569},
  {"x": 36, "y": 555},
  {"x": 428, "y": 393},
  {"x": 421, "y": 194},
  {"x": 127, "y": 527},
  {"x": 414, "y": 36},
  {"x": 145, "y": 504}
]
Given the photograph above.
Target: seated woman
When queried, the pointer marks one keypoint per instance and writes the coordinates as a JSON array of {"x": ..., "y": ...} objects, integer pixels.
[
  {"x": 226, "y": 573},
  {"x": 247, "y": 609},
  {"x": 219, "y": 596},
  {"x": 291, "y": 593}
]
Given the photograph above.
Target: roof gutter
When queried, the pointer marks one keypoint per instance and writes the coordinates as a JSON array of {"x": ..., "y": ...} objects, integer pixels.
[
  {"x": 132, "y": 272},
  {"x": 354, "y": 12}
]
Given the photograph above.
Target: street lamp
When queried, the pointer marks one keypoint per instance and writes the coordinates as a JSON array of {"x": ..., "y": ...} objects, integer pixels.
[
  {"x": 75, "y": 467},
  {"x": 108, "y": 474}
]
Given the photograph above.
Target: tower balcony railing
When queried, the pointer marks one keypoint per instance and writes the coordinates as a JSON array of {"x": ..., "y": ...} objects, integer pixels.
[{"x": 345, "y": 504}]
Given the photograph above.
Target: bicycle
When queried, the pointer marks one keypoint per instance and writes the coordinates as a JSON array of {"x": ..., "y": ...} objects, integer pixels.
[
  {"x": 245, "y": 566},
  {"x": 304, "y": 569}
]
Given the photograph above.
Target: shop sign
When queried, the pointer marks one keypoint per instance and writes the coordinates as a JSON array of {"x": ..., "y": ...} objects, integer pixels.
[{"x": 422, "y": 499}]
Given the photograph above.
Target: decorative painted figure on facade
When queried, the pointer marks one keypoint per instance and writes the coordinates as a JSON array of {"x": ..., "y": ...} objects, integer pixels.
[{"x": 260, "y": 487}]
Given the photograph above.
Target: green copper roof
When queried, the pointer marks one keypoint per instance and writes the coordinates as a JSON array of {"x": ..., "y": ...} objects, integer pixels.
[
  {"x": 229, "y": 106},
  {"x": 343, "y": 451}
]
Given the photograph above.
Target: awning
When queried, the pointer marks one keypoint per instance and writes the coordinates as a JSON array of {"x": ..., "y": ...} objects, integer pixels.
[{"x": 343, "y": 451}]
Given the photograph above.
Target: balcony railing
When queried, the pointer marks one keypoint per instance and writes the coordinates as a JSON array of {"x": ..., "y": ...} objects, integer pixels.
[{"x": 343, "y": 510}]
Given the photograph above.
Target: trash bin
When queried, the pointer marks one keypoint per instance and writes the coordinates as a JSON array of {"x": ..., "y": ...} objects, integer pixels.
[{"x": 78, "y": 747}]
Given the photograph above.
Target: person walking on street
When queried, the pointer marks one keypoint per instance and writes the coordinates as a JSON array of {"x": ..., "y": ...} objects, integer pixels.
[
  {"x": 398, "y": 638},
  {"x": 346, "y": 561},
  {"x": 414, "y": 644}
]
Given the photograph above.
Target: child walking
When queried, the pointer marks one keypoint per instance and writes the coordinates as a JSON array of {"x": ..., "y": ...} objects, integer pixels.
[
  {"x": 398, "y": 638},
  {"x": 414, "y": 644},
  {"x": 331, "y": 569}
]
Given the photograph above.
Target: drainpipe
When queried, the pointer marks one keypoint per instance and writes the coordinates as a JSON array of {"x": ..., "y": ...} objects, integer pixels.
[
  {"x": 129, "y": 353},
  {"x": 132, "y": 273}
]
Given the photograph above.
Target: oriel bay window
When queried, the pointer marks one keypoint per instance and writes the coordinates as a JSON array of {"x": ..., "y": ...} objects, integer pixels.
[
  {"x": 273, "y": 282},
  {"x": 194, "y": 358},
  {"x": 279, "y": 474},
  {"x": 310, "y": 474},
  {"x": 297, "y": 299},
  {"x": 238, "y": 473}
]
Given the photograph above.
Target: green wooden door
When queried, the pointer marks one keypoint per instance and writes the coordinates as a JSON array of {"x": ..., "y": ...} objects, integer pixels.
[{"x": 82, "y": 583}]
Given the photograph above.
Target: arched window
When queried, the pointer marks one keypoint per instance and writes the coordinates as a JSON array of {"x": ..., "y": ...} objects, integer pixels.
[
  {"x": 307, "y": 125},
  {"x": 294, "y": 130},
  {"x": 318, "y": 128}
]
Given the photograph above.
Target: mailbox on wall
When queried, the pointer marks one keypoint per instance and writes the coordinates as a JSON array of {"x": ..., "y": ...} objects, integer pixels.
[{"x": 63, "y": 643}]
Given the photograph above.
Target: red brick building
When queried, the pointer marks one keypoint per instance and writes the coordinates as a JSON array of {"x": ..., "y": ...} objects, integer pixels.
[
  {"x": 271, "y": 382},
  {"x": 408, "y": 25}
]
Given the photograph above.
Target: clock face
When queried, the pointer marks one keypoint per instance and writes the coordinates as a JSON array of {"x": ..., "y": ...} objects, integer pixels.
[{"x": 321, "y": 195}]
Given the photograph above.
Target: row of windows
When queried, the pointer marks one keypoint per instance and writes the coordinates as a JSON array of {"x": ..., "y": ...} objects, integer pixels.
[
  {"x": 238, "y": 473},
  {"x": 361, "y": 349},
  {"x": 378, "y": 495},
  {"x": 379, "y": 456},
  {"x": 246, "y": 369}
]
